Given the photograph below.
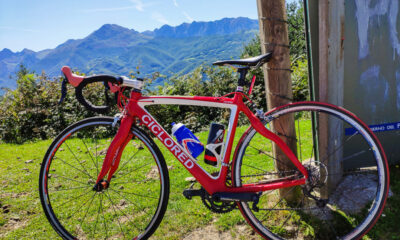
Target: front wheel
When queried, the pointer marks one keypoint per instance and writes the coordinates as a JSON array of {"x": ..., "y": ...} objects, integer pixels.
[
  {"x": 131, "y": 207},
  {"x": 348, "y": 175}
]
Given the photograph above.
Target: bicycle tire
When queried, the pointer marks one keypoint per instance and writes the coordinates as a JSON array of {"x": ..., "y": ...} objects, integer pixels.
[
  {"x": 334, "y": 213},
  {"x": 133, "y": 205}
]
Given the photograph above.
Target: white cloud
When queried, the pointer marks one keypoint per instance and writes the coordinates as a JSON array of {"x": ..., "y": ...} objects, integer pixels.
[
  {"x": 175, "y": 3},
  {"x": 108, "y": 9},
  {"x": 138, "y": 5},
  {"x": 159, "y": 17},
  {"x": 19, "y": 29},
  {"x": 187, "y": 16}
]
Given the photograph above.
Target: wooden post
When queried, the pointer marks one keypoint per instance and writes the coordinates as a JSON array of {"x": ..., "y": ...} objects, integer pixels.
[
  {"x": 274, "y": 37},
  {"x": 330, "y": 89}
]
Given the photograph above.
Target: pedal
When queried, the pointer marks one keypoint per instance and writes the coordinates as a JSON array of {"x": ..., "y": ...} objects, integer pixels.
[
  {"x": 189, "y": 193},
  {"x": 256, "y": 199}
]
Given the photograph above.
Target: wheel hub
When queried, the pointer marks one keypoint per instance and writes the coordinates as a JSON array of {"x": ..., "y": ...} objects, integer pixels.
[{"x": 101, "y": 186}]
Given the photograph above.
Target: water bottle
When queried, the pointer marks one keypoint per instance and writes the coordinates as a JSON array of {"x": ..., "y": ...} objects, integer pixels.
[
  {"x": 215, "y": 144},
  {"x": 187, "y": 139}
]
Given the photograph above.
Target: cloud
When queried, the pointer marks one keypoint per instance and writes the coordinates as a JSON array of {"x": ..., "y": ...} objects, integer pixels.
[
  {"x": 138, "y": 5},
  {"x": 19, "y": 29},
  {"x": 175, "y": 3},
  {"x": 108, "y": 9},
  {"x": 187, "y": 16},
  {"x": 159, "y": 17}
]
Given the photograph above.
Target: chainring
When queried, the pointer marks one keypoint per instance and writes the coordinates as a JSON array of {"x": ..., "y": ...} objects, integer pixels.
[{"x": 217, "y": 206}]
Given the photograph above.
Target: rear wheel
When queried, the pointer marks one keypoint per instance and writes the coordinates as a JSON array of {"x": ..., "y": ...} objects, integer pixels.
[
  {"x": 348, "y": 184},
  {"x": 134, "y": 203}
]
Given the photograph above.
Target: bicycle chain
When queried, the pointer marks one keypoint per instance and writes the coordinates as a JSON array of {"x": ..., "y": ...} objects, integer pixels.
[
  {"x": 271, "y": 173},
  {"x": 288, "y": 209},
  {"x": 225, "y": 207}
]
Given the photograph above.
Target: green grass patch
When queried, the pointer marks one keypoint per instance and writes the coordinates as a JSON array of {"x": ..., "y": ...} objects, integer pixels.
[{"x": 22, "y": 217}]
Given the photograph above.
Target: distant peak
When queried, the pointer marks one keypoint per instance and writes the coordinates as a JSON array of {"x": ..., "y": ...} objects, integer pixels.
[
  {"x": 6, "y": 53},
  {"x": 112, "y": 27},
  {"x": 200, "y": 28},
  {"x": 6, "y": 50},
  {"x": 109, "y": 30},
  {"x": 25, "y": 50}
]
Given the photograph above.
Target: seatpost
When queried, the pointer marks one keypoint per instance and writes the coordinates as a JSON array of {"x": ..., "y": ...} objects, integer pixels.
[{"x": 242, "y": 78}]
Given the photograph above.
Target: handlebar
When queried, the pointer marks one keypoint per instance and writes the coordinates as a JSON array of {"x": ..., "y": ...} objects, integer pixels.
[{"x": 114, "y": 84}]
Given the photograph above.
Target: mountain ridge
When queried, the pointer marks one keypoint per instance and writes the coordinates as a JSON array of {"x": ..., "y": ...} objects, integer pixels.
[{"x": 113, "y": 49}]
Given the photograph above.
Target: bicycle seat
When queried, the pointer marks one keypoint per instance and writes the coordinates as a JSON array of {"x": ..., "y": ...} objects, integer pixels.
[{"x": 251, "y": 62}]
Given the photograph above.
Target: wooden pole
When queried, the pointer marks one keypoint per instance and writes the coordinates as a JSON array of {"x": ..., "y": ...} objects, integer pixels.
[
  {"x": 274, "y": 37},
  {"x": 331, "y": 81}
]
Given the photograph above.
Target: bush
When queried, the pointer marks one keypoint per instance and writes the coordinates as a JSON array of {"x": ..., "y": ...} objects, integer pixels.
[{"x": 31, "y": 111}]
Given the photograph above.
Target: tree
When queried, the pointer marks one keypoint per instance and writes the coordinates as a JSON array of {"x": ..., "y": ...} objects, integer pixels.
[{"x": 298, "y": 55}]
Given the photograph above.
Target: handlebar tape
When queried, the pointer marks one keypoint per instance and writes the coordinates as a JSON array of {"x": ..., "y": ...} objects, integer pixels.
[
  {"x": 63, "y": 90},
  {"x": 88, "y": 80},
  {"x": 79, "y": 82}
]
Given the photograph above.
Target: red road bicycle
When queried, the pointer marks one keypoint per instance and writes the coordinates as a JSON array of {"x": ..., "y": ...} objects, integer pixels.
[{"x": 105, "y": 177}]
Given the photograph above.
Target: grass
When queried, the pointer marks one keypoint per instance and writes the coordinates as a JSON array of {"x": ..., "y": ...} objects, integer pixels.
[
  {"x": 22, "y": 217},
  {"x": 21, "y": 214}
]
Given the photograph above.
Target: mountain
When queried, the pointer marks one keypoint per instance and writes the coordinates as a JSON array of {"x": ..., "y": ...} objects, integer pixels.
[
  {"x": 224, "y": 26},
  {"x": 113, "y": 49}
]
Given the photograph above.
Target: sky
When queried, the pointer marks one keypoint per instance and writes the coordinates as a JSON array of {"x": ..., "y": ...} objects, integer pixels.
[{"x": 44, "y": 24}]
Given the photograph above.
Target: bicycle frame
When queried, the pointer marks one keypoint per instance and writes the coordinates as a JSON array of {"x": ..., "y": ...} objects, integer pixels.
[{"x": 135, "y": 111}]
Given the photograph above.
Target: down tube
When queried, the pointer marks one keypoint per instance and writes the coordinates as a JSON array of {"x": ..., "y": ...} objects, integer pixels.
[{"x": 210, "y": 185}]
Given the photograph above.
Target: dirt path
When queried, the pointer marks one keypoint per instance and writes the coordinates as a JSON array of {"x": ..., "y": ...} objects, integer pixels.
[{"x": 211, "y": 232}]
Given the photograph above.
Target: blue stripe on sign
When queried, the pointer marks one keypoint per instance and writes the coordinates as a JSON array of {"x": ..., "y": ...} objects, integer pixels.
[{"x": 376, "y": 128}]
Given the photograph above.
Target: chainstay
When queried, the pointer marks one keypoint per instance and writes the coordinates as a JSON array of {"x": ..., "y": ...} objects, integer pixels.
[{"x": 282, "y": 173}]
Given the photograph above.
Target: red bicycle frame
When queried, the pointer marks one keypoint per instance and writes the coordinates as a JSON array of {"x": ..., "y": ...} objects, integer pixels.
[{"x": 135, "y": 112}]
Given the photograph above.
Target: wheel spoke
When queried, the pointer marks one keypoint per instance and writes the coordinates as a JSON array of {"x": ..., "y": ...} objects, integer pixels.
[
  {"x": 123, "y": 166},
  {"x": 70, "y": 200},
  {"x": 139, "y": 195},
  {"x": 340, "y": 147},
  {"x": 136, "y": 205},
  {"x": 299, "y": 141},
  {"x": 129, "y": 219},
  {"x": 113, "y": 207},
  {"x": 79, "y": 162},
  {"x": 78, "y": 208},
  {"x": 63, "y": 161},
  {"x": 62, "y": 176},
  {"x": 90, "y": 204},
  {"x": 67, "y": 189},
  {"x": 97, "y": 161},
  {"x": 276, "y": 159},
  {"x": 104, "y": 218},
  {"x": 134, "y": 170},
  {"x": 321, "y": 209},
  {"x": 89, "y": 152},
  {"x": 97, "y": 220}
]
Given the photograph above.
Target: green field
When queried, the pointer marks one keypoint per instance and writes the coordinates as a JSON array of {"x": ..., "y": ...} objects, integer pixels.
[{"x": 21, "y": 215}]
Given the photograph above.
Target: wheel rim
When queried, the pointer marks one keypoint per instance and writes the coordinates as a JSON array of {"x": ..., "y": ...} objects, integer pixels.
[
  {"x": 128, "y": 208},
  {"x": 304, "y": 218}
]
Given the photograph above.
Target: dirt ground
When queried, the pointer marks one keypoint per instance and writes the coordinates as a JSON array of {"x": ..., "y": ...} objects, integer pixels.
[{"x": 211, "y": 232}]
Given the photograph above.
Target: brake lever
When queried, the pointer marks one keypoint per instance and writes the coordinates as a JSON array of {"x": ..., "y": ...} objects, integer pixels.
[{"x": 63, "y": 90}]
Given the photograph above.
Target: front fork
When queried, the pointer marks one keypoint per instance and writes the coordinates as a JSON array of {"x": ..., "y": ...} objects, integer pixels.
[{"x": 114, "y": 152}]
